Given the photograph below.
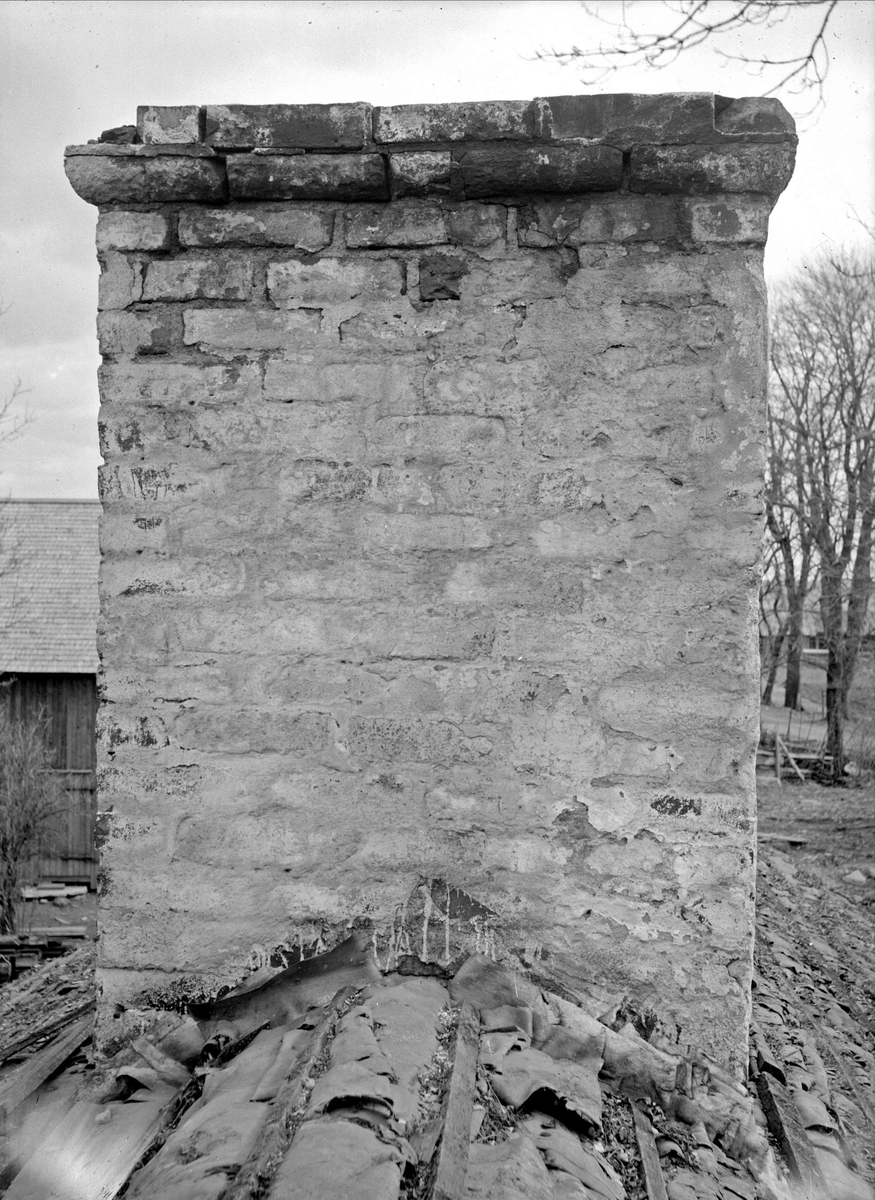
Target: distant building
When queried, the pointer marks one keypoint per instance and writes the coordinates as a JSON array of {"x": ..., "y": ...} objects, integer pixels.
[{"x": 49, "y": 559}]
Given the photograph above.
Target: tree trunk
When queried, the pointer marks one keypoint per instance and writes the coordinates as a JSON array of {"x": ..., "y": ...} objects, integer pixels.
[
  {"x": 831, "y": 613},
  {"x": 777, "y": 645},
  {"x": 835, "y": 720},
  {"x": 794, "y": 662},
  {"x": 858, "y": 605}
]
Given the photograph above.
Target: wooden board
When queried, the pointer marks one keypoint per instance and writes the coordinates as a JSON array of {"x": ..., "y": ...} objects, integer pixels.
[
  {"x": 452, "y": 1155},
  {"x": 653, "y": 1177},
  {"x": 44, "y": 1029},
  {"x": 91, "y": 1153},
  {"x": 40, "y": 1066},
  {"x": 787, "y": 1128},
  {"x": 62, "y": 892}
]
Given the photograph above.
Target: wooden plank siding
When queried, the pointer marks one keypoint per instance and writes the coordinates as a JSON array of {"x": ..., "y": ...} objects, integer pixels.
[{"x": 69, "y": 704}]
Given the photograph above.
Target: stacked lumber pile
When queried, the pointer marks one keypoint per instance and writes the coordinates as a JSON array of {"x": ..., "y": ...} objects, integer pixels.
[{"x": 46, "y": 1001}]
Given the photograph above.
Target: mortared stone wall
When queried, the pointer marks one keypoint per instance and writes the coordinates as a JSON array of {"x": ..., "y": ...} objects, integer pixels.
[{"x": 431, "y": 540}]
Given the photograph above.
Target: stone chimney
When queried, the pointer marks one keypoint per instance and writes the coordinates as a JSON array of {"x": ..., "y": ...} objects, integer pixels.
[{"x": 431, "y": 542}]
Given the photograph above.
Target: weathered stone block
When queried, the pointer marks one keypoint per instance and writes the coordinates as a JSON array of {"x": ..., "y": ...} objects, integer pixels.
[
  {"x": 503, "y": 170},
  {"x": 157, "y": 482},
  {"x": 257, "y": 225},
  {"x": 420, "y": 173},
  {"x": 754, "y": 118},
  {"x": 483, "y": 385},
  {"x": 440, "y": 276},
  {"x": 477, "y": 121},
  {"x": 405, "y": 532},
  {"x": 400, "y": 327},
  {"x": 129, "y": 333},
  {"x": 440, "y": 438},
  {"x": 582, "y": 222},
  {"x": 254, "y": 329},
  {"x": 727, "y": 222},
  {"x": 307, "y": 126},
  {"x": 214, "y": 278},
  {"x": 626, "y": 119},
  {"x": 695, "y": 170},
  {"x": 315, "y": 482},
  {"x": 409, "y": 224},
  {"x": 232, "y": 730},
  {"x": 168, "y": 123},
  {"x": 333, "y": 281},
  {"x": 396, "y": 384},
  {"x": 121, "y": 282},
  {"x": 476, "y": 225},
  {"x": 166, "y": 385},
  {"x": 388, "y": 740},
  {"x": 132, "y": 534},
  {"x": 530, "y": 277},
  {"x": 138, "y": 578},
  {"x": 132, "y": 179},
  {"x": 119, "y": 230},
  {"x": 307, "y": 177}
]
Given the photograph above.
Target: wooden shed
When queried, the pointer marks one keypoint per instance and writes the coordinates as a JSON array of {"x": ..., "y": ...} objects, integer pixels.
[{"x": 49, "y": 559}]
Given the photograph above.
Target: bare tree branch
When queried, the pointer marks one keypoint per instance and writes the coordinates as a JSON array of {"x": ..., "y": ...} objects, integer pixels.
[{"x": 695, "y": 23}]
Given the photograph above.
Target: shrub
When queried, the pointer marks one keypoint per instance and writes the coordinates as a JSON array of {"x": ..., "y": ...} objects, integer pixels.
[{"x": 30, "y": 801}]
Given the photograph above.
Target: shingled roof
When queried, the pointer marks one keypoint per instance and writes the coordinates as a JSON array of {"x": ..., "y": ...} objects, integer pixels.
[{"x": 49, "y": 557}]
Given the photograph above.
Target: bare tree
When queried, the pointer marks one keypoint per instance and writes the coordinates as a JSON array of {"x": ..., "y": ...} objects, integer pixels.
[
  {"x": 691, "y": 23},
  {"x": 789, "y": 555},
  {"x": 823, "y": 422}
]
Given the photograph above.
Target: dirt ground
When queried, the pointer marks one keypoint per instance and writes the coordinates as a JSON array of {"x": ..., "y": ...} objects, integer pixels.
[{"x": 816, "y": 941}]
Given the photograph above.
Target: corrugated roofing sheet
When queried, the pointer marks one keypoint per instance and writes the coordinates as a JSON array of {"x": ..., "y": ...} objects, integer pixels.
[{"x": 49, "y": 556}]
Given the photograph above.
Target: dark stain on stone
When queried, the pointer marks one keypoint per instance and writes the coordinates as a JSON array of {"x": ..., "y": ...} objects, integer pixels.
[
  {"x": 390, "y": 783},
  {"x": 285, "y": 956},
  {"x": 409, "y": 964},
  {"x": 439, "y": 276},
  {"x": 457, "y": 904},
  {"x": 141, "y": 736},
  {"x": 132, "y": 439},
  {"x": 604, "y": 781},
  {"x": 102, "y": 829},
  {"x": 574, "y": 823},
  {"x": 543, "y": 691},
  {"x": 569, "y": 263},
  {"x": 676, "y": 806},
  {"x": 142, "y": 587},
  {"x": 641, "y": 1016}
]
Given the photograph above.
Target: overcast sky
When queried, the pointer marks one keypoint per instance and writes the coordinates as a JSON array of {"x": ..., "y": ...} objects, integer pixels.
[{"x": 70, "y": 69}]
